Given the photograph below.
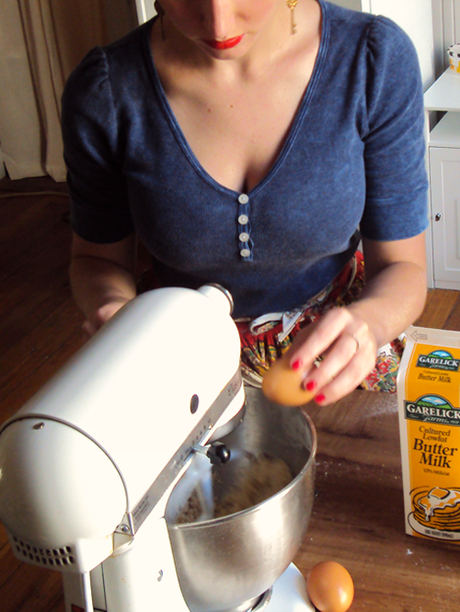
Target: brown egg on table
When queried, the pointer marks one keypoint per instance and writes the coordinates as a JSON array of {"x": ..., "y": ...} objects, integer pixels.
[
  {"x": 330, "y": 587},
  {"x": 283, "y": 385}
]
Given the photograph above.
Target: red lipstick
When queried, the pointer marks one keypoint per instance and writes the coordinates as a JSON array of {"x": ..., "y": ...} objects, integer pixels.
[{"x": 228, "y": 43}]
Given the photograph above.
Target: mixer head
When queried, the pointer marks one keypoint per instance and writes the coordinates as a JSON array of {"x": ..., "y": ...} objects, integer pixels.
[{"x": 88, "y": 458}]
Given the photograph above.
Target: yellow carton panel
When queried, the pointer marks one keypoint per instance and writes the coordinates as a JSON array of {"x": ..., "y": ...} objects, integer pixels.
[{"x": 429, "y": 418}]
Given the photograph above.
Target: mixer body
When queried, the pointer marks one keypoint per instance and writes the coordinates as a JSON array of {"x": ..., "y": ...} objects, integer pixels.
[
  {"x": 92, "y": 468},
  {"x": 143, "y": 578},
  {"x": 223, "y": 564}
]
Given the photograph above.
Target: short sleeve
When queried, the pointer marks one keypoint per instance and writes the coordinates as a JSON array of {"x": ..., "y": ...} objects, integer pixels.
[
  {"x": 396, "y": 180},
  {"x": 98, "y": 192}
]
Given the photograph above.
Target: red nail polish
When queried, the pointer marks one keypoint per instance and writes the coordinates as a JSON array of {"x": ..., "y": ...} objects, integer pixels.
[
  {"x": 311, "y": 385},
  {"x": 297, "y": 364},
  {"x": 319, "y": 399}
]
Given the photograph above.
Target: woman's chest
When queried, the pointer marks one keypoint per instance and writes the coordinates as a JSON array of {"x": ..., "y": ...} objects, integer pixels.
[
  {"x": 237, "y": 139},
  {"x": 237, "y": 130},
  {"x": 310, "y": 206}
]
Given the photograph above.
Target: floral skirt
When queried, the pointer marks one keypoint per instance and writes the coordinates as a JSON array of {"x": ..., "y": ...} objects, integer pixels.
[{"x": 266, "y": 338}]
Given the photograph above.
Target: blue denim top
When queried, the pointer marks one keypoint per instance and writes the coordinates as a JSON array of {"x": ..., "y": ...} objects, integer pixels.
[{"x": 353, "y": 164}]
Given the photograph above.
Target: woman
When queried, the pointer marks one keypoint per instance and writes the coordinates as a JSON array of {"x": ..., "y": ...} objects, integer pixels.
[{"x": 253, "y": 144}]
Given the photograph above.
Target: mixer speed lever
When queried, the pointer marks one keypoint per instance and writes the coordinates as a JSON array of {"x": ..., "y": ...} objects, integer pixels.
[{"x": 216, "y": 452}]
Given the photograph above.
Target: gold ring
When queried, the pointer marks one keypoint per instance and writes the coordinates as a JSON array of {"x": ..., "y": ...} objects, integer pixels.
[{"x": 358, "y": 345}]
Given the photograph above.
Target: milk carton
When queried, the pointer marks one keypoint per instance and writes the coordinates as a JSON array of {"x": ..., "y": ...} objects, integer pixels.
[{"x": 429, "y": 422}]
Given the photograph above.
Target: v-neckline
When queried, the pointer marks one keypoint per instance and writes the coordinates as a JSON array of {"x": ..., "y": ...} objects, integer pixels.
[{"x": 293, "y": 130}]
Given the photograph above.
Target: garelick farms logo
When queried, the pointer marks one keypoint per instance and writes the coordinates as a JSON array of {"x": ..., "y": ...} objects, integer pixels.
[
  {"x": 432, "y": 409},
  {"x": 438, "y": 360}
]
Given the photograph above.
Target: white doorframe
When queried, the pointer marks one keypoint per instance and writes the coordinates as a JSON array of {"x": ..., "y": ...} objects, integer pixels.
[{"x": 145, "y": 10}]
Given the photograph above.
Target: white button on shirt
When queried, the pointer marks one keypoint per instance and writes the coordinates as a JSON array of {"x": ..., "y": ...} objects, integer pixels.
[{"x": 245, "y": 242}]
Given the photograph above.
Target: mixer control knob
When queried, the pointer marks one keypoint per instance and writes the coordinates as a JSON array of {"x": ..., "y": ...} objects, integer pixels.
[{"x": 218, "y": 453}]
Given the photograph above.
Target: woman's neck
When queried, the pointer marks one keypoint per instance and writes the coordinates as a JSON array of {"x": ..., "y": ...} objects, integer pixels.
[{"x": 269, "y": 45}]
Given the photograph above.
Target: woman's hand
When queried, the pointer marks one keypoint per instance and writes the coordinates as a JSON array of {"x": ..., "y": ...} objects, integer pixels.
[
  {"x": 97, "y": 319},
  {"x": 348, "y": 338},
  {"x": 344, "y": 350},
  {"x": 102, "y": 278}
]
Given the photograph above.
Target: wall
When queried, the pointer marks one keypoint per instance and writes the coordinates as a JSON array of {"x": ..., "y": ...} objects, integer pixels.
[
  {"x": 80, "y": 25},
  {"x": 354, "y": 5},
  {"x": 120, "y": 17}
]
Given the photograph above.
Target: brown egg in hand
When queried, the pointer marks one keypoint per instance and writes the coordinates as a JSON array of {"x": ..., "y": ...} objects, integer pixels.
[
  {"x": 283, "y": 385},
  {"x": 330, "y": 587}
]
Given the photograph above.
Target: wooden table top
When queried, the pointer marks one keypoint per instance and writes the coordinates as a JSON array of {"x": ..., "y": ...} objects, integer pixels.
[
  {"x": 358, "y": 515},
  {"x": 357, "y": 520}
]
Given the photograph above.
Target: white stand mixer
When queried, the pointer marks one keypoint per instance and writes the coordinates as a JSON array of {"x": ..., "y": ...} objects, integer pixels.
[{"x": 87, "y": 465}]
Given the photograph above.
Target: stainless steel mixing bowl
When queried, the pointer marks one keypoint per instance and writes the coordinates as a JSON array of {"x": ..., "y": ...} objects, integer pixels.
[{"x": 226, "y": 564}]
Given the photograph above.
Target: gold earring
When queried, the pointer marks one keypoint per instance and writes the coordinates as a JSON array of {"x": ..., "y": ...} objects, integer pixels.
[
  {"x": 160, "y": 11},
  {"x": 291, "y": 5}
]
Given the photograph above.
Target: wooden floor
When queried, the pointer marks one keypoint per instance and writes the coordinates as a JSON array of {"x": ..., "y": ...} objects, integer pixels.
[{"x": 40, "y": 330}]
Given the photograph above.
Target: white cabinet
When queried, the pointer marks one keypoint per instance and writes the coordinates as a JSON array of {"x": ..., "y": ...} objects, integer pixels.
[
  {"x": 444, "y": 167},
  {"x": 444, "y": 174}
]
